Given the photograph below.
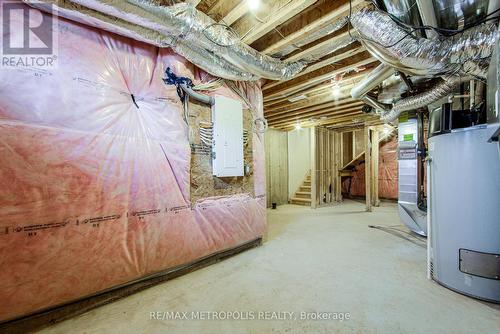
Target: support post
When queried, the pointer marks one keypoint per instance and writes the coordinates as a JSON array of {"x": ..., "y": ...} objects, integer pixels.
[
  {"x": 374, "y": 169},
  {"x": 368, "y": 179},
  {"x": 313, "y": 168},
  {"x": 337, "y": 166}
]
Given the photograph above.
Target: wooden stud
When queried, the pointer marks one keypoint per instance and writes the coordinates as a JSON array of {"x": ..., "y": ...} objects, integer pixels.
[
  {"x": 374, "y": 167},
  {"x": 276, "y": 149},
  {"x": 368, "y": 178},
  {"x": 313, "y": 168},
  {"x": 338, "y": 155}
]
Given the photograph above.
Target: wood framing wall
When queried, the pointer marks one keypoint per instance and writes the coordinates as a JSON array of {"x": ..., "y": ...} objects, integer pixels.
[
  {"x": 336, "y": 158},
  {"x": 323, "y": 181},
  {"x": 340, "y": 157},
  {"x": 276, "y": 146}
]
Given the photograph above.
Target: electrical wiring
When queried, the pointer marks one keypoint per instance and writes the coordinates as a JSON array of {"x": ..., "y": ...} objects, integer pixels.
[
  {"x": 408, "y": 236},
  {"x": 408, "y": 34}
]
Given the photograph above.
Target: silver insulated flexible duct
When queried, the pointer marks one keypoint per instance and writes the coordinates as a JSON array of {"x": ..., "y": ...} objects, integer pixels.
[
  {"x": 452, "y": 58},
  {"x": 463, "y": 54},
  {"x": 191, "y": 33},
  {"x": 437, "y": 92}
]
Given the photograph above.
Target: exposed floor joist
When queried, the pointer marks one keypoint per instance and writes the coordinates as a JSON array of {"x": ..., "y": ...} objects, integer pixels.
[
  {"x": 194, "y": 2},
  {"x": 326, "y": 116},
  {"x": 343, "y": 54},
  {"x": 277, "y": 12},
  {"x": 221, "y": 9},
  {"x": 236, "y": 13},
  {"x": 314, "y": 18},
  {"x": 354, "y": 117},
  {"x": 313, "y": 108},
  {"x": 316, "y": 77},
  {"x": 302, "y": 30},
  {"x": 318, "y": 113}
]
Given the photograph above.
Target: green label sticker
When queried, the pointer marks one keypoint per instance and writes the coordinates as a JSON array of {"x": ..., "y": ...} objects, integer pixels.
[
  {"x": 403, "y": 117},
  {"x": 408, "y": 137}
]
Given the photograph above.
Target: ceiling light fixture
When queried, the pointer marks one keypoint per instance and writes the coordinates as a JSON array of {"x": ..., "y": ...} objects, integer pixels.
[
  {"x": 336, "y": 91},
  {"x": 297, "y": 126},
  {"x": 253, "y": 4}
]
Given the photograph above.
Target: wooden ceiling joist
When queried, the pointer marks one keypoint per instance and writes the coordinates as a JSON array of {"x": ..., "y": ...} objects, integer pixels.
[
  {"x": 277, "y": 12},
  {"x": 222, "y": 8},
  {"x": 358, "y": 116},
  {"x": 329, "y": 104},
  {"x": 329, "y": 115},
  {"x": 344, "y": 53},
  {"x": 311, "y": 93},
  {"x": 301, "y": 30},
  {"x": 319, "y": 99},
  {"x": 347, "y": 52},
  {"x": 321, "y": 49},
  {"x": 316, "y": 77},
  {"x": 235, "y": 13},
  {"x": 194, "y": 2},
  {"x": 204, "y": 5},
  {"x": 317, "y": 113},
  {"x": 314, "y": 18}
]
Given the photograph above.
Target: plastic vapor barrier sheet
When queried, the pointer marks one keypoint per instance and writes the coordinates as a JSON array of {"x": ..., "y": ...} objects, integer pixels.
[{"x": 95, "y": 173}]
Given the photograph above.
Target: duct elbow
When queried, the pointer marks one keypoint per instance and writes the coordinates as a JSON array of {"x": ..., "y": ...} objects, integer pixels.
[{"x": 375, "y": 78}]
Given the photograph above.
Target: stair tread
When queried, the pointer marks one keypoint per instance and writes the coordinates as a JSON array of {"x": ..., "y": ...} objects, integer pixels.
[{"x": 298, "y": 199}]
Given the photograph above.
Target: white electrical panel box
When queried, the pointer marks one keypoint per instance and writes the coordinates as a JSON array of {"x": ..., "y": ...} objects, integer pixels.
[{"x": 227, "y": 118}]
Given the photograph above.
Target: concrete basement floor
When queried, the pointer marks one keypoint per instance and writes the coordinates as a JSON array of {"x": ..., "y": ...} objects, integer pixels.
[{"x": 323, "y": 260}]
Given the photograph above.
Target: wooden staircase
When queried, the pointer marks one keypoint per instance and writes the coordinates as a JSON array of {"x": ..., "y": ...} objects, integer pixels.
[
  {"x": 303, "y": 195},
  {"x": 348, "y": 168}
]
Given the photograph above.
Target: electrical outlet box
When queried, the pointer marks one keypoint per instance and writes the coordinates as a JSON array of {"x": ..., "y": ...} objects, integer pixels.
[{"x": 227, "y": 146}]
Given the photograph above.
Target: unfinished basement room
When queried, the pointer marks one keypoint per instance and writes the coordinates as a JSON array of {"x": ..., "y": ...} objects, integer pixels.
[{"x": 249, "y": 166}]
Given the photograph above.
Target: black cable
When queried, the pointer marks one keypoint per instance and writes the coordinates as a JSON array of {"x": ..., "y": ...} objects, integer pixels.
[
  {"x": 440, "y": 31},
  {"x": 444, "y": 31},
  {"x": 417, "y": 240},
  {"x": 173, "y": 79}
]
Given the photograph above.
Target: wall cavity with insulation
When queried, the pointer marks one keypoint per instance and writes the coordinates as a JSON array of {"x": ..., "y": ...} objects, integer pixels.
[{"x": 96, "y": 188}]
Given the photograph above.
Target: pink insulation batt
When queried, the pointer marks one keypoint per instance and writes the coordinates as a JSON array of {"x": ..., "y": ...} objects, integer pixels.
[
  {"x": 95, "y": 191},
  {"x": 387, "y": 173}
]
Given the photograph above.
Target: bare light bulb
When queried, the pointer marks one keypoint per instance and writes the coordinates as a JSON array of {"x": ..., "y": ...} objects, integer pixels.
[
  {"x": 336, "y": 91},
  {"x": 297, "y": 126},
  {"x": 253, "y": 4}
]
